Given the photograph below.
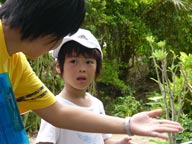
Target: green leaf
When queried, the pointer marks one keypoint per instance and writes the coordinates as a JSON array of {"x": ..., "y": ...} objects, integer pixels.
[
  {"x": 150, "y": 39},
  {"x": 161, "y": 44}
]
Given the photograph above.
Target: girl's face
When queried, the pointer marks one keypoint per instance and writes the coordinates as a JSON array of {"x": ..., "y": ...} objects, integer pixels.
[{"x": 79, "y": 71}]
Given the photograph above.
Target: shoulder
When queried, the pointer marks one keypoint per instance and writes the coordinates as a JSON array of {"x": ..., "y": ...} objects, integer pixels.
[
  {"x": 95, "y": 100},
  {"x": 64, "y": 101}
]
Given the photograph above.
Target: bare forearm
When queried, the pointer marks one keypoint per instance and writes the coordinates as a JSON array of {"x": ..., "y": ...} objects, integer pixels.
[{"x": 82, "y": 120}]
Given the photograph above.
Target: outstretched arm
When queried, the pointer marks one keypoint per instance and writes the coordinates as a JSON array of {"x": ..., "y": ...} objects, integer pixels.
[
  {"x": 76, "y": 118},
  {"x": 143, "y": 124}
]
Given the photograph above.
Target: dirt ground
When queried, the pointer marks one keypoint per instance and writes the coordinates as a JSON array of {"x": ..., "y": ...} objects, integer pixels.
[{"x": 135, "y": 139}]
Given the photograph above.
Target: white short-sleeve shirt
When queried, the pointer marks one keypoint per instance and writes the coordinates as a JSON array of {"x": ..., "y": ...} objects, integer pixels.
[{"x": 50, "y": 133}]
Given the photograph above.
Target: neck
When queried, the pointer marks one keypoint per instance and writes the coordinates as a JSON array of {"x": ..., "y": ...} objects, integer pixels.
[
  {"x": 73, "y": 93},
  {"x": 79, "y": 98},
  {"x": 12, "y": 39}
]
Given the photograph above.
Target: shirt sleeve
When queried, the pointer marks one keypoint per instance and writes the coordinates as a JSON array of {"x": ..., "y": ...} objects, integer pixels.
[{"x": 31, "y": 93}]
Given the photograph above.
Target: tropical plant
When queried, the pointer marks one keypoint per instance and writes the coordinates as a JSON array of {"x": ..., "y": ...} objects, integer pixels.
[{"x": 174, "y": 80}]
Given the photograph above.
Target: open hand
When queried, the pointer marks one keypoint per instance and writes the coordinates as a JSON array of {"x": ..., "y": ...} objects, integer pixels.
[{"x": 145, "y": 124}]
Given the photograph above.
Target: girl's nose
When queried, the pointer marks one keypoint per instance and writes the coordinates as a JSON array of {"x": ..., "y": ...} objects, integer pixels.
[{"x": 82, "y": 68}]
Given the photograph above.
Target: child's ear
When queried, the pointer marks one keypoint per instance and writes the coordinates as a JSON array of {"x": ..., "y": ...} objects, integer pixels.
[{"x": 57, "y": 68}]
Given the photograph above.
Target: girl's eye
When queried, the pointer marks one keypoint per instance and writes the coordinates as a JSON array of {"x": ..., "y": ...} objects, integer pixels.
[
  {"x": 73, "y": 61},
  {"x": 90, "y": 62}
]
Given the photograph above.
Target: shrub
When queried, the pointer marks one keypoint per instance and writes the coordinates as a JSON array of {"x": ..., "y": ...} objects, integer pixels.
[{"x": 123, "y": 106}]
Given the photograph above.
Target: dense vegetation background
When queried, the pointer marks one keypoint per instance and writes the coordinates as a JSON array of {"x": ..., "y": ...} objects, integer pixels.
[{"x": 122, "y": 26}]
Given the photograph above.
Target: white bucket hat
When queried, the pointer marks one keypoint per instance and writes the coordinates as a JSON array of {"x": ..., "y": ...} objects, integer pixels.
[{"x": 83, "y": 37}]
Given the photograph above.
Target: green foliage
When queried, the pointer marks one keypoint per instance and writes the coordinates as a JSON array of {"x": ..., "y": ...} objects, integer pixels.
[
  {"x": 170, "y": 21},
  {"x": 122, "y": 25},
  {"x": 31, "y": 122},
  {"x": 159, "y": 142},
  {"x": 117, "y": 25},
  {"x": 186, "y": 122},
  {"x": 110, "y": 75},
  {"x": 123, "y": 106},
  {"x": 186, "y": 61},
  {"x": 2, "y": 1},
  {"x": 174, "y": 82},
  {"x": 159, "y": 54},
  {"x": 155, "y": 100}
]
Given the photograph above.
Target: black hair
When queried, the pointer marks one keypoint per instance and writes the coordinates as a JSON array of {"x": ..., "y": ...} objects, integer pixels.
[
  {"x": 36, "y": 18},
  {"x": 72, "y": 47}
]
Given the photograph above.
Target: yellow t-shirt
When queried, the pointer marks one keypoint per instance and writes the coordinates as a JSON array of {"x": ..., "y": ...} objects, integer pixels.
[{"x": 30, "y": 92}]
